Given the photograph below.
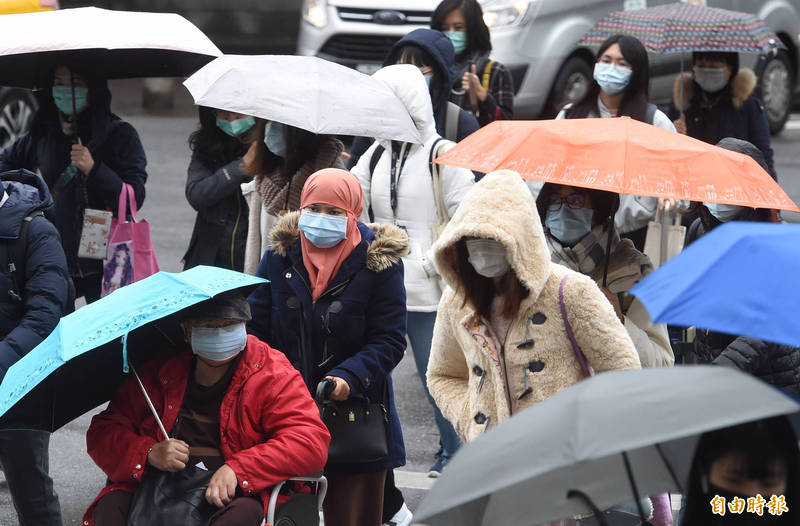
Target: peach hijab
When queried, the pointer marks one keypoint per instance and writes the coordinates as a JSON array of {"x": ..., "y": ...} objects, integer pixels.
[{"x": 333, "y": 187}]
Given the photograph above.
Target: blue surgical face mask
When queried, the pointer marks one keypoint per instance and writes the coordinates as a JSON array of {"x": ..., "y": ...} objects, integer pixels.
[
  {"x": 723, "y": 212},
  {"x": 569, "y": 225},
  {"x": 274, "y": 139},
  {"x": 427, "y": 81},
  {"x": 323, "y": 230},
  {"x": 219, "y": 343},
  {"x": 612, "y": 79},
  {"x": 62, "y": 96},
  {"x": 459, "y": 40},
  {"x": 236, "y": 127}
]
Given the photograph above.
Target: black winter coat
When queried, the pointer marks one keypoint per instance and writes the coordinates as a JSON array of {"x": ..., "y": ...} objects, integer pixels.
[
  {"x": 118, "y": 158},
  {"x": 26, "y": 321},
  {"x": 778, "y": 365},
  {"x": 220, "y": 230},
  {"x": 736, "y": 113}
]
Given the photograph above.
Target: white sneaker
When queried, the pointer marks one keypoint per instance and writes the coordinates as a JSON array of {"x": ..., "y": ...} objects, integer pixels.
[{"x": 401, "y": 518}]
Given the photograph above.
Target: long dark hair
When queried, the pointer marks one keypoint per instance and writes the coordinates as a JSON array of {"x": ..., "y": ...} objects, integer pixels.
[
  {"x": 212, "y": 146},
  {"x": 478, "y": 39},
  {"x": 111, "y": 265},
  {"x": 301, "y": 146},
  {"x": 636, "y": 95},
  {"x": 762, "y": 442},
  {"x": 479, "y": 291}
]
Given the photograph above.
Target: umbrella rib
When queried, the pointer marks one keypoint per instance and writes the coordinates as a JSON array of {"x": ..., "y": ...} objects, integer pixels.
[
  {"x": 669, "y": 468},
  {"x": 629, "y": 471},
  {"x": 150, "y": 403}
]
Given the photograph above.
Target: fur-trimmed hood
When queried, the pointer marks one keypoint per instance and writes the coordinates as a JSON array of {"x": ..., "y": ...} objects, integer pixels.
[
  {"x": 389, "y": 245},
  {"x": 499, "y": 207},
  {"x": 743, "y": 85}
]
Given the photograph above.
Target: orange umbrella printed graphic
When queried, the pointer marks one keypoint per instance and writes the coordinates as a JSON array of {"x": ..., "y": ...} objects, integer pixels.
[{"x": 619, "y": 155}]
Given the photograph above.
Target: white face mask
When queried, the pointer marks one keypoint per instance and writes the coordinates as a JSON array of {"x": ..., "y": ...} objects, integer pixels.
[
  {"x": 219, "y": 343},
  {"x": 723, "y": 212},
  {"x": 711, "y": 80},
  {"x": 488, "y": 257}
]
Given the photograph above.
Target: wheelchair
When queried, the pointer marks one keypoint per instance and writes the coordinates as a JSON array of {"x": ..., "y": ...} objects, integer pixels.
[{"x": 301, "y": 509}]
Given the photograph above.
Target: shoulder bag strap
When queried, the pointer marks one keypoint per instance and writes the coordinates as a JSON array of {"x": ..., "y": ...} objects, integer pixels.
[{"x": 570, "y": 334}]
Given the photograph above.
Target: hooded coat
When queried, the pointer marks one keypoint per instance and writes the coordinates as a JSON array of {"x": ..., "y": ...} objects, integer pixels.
[
  {"x": 26, "y": 321},
  {"x": 416, "y": 207},
  {"x": 477, "y": 382},
  {"x": 438, "y": 46},
  {"x": 118, "y": 158},
  {"x": 270, "y": 429},
  {"x": 354, "y": 331},
  {"x": 737, "y": 113}
]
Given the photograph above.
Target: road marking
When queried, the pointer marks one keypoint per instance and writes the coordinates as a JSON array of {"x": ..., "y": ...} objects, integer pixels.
[{"x": 413, "y": 480}]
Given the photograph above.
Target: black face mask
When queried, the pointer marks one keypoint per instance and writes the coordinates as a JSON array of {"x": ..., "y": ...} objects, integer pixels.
[{"x": 742, "y": 519}]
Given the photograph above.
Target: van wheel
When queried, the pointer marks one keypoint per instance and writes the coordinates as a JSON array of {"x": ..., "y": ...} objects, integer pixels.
[
  {"x": 17, "y": 108},
  {"x": 775, "y": 89},
  {"x": 570, "y": 85}
]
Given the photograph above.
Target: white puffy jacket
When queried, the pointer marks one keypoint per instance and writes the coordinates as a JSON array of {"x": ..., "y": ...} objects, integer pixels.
[{"x": 416, "y": 208}]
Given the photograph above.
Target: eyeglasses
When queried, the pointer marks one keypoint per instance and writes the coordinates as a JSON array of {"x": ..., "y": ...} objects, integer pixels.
[{"x": 573, "y": 201}]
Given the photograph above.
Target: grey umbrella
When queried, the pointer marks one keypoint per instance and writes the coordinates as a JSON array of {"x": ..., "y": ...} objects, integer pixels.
[{"x": 607, "y": 440}]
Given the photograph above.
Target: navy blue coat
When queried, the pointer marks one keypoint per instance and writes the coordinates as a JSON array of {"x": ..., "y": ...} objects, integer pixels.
[
  {"x": 26, "y": 321},
  {"x": 438, "y": 46},
  {"x": 356, "y": 330},
  {"x": 118, "y": 157}
]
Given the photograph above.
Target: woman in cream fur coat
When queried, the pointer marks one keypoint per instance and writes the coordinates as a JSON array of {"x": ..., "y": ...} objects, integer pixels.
[{"x": 505, "y": 347}]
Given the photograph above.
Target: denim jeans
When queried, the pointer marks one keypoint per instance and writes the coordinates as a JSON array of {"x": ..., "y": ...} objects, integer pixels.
[
  {"x": 420, "y": 334},
  {"x": 25, "y": 459}
]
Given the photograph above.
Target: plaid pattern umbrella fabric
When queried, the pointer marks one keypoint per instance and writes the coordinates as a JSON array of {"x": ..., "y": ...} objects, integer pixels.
[{"x": 683, "y": 27}]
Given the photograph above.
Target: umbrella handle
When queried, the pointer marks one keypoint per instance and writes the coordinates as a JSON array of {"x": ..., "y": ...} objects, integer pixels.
[
  {"x": 150, "y": 403},
  {"x": 578, "y": 494}
]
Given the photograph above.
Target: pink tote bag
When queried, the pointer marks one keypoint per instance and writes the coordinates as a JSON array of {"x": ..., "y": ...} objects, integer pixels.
[{"x": 130, "y": 255}]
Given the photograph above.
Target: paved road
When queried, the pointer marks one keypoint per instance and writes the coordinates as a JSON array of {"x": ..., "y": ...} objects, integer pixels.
[{"x": 76, "y": 477}]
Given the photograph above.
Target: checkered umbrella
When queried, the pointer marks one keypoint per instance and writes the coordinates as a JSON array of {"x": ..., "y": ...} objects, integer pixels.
[{"x": 683, "y": 27}]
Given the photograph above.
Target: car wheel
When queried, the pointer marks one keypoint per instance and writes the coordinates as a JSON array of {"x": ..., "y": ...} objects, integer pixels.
[
  {"x": 17, "y": 108},
  {"x": 775, "y": 89},
  {"x": 570, "y": 85}
]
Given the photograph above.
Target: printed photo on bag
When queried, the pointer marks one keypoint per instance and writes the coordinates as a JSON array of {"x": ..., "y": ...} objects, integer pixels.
[{"x": 118, "y": 267}]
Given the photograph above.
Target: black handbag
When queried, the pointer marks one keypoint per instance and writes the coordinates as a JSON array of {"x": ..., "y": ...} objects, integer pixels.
[
  {"x": 357, "y": 427},
  {"x": 164, "y": 498}
]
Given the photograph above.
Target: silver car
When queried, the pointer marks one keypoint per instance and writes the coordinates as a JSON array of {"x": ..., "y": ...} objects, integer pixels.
[{"x": 537, "y": 41}]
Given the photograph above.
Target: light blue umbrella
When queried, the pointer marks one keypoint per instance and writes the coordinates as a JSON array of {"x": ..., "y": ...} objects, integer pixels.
[
  {"x": 740, "y": 278},
  {"x": 88, "y": 348}
]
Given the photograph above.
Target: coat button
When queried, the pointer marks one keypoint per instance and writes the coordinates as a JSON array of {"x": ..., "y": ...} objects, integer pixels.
[
  {"x": 138, "y": 466},
  {"x": 136, "y": 475},
  {"x": 477, "y": 370},
  {"x": 255, "y": 365},
  {"x": 288, "y": 275},
  {"x": 366, "y": 381},
  {"x": 85, "y": 523},
  {"x": 170, "y": 406},
  {"x": 165, "y": 382},
  {"x": 535, "y": 366},
  {"x": 244, "y": 484},
  {"x": 480, "y": 419},
  {"x": 538, "y": 318}
]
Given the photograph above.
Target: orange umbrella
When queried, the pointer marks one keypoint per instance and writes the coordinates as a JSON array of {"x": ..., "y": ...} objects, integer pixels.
[{"x": 619, "y": 155}]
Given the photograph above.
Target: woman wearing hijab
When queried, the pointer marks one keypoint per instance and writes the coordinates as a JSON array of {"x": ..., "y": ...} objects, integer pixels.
[{"x": 335, "y": 304}]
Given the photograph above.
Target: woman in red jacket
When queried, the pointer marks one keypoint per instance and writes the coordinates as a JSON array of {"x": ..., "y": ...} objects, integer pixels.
[{"x": 232, "y": 403}]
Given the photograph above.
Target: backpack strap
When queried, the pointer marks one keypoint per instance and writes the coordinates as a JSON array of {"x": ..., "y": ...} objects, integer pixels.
[
  {"x": 373, "y": 162},
  {"x": 436, "y": 176},
  {"x": 486, "y": 77},
  {"x": 451, "y": 122},
  {"x": 651, "y": 113},
  {"x": 18, "y": 257}
]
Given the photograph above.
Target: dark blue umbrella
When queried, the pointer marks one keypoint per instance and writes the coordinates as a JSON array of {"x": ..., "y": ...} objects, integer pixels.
[{"x": 741, "y": 278}]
